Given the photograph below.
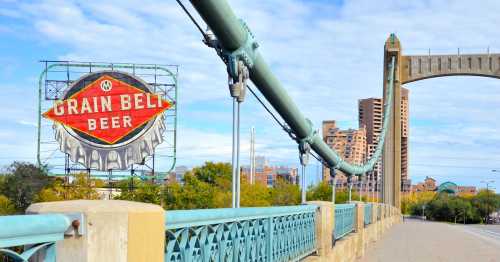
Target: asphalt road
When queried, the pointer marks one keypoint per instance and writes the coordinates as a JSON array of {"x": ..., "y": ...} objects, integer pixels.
[{"x": 418, "y": 241}]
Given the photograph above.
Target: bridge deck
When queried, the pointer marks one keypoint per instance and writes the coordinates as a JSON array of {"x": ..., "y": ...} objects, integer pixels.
[{"x": 417, "y": 241}]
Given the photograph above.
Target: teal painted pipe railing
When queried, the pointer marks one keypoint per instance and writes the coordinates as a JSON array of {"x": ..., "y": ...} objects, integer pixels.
[
  {"x": 37, "y": 233},
  {"x": 244, "y": 234},
  {"x": 344, "y": 220},
  {"x": 237, "y": 42},
  {"x": 368, "y": 213}
]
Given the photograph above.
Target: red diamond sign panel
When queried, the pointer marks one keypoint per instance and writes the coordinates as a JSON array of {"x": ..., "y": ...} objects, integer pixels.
[{"x": 107, "y": 109}]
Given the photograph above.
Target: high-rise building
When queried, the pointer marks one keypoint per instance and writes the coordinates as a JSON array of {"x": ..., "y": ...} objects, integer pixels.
[
  {"x": 350, "y": 144},
  {"x": 405, "y": 130},
  {"x": 371, "y": 117}
]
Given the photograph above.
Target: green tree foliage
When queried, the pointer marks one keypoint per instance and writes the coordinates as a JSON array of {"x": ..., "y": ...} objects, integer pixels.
[
  {"x": 485, "y": 202},
  {"x": 22, "y": 182},
  {"x": 80, "y": 188},
  {"x": 320, "y": 192},
  {"x": 452, "y": 208},
  {"x": 6, "y": 206},
  {"x": 212, "y": 172},
  {"x": 284, "y": 193},
  {"x": 141, "y": 191},
  {"x": 445, "y": 207},
  {"x": 193, "y": 194},
  {"x": 256, "y": 195},
  {"x": 323, "y": 192}
]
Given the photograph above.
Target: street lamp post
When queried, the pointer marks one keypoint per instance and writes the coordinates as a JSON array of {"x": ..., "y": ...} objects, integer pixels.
[{"x": 488, "y": 182}]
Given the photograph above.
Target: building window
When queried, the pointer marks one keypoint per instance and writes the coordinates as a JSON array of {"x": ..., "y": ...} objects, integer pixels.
[{"x": 270, "y": 180}]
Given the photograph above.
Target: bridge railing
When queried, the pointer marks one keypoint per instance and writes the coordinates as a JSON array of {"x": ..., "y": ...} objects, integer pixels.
[
  {"x": 344, "y": 220},
  {"x": 379, "y": 211},
  {"x": 33, "y": 235},
  {"x": 244, "y": 234},
  {"x": 368, "y": 213}
]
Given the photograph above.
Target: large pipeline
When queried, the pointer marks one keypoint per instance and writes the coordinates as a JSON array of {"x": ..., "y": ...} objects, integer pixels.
[{"x": 232, "y": 36}]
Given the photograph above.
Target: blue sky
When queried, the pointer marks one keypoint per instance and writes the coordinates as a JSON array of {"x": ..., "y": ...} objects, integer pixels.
[{"x": 328, "y": 54}]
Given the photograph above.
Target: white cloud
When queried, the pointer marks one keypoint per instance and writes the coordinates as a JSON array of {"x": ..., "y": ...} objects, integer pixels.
[{"x": 327, "y": 56}]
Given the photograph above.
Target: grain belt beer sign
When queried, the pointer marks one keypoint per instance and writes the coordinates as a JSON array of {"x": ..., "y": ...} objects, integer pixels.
[{"x": 109, "y": 120}]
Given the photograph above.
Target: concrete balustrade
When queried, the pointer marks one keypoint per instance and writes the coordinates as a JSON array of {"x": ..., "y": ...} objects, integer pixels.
[
  {"x": 115, "y": 230},
  {"x": 324, "y": 226},
  {"x": 353, "y": 245},
  {"x": 131, "y": 231}
]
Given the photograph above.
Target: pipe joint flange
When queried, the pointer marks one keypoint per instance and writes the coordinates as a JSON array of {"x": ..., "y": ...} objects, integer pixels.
[
  {"x": 246, "y": 53},
  {"x": 312, "y": 133},
  {"x": 305, "y": 144}
]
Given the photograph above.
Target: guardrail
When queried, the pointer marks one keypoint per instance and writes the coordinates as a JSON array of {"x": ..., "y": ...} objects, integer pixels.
[
  {"x": 244, "y": 234},
  {"x": 344, "y": 220},
  {"x": 36, "y": 233},
  {"x": 368, "y": 213}
]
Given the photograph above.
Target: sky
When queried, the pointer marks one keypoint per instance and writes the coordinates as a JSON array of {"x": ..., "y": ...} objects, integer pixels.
[{"x": 328, "y": 54}]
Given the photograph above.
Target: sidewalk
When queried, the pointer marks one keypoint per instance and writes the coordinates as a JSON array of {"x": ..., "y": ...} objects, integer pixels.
[{"x": 418, "y": 241}]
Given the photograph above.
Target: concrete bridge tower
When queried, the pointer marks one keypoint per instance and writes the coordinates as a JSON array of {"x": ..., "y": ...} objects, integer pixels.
[{"x": 391, "y": 181}]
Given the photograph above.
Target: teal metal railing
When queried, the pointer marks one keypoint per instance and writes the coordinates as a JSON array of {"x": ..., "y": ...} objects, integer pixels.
[
  {"x": 344, "y": 220},
  {"x": 37, "y": 234},
  {"x": 243, "y": 234},
  {"x": 368, "y": 213}
]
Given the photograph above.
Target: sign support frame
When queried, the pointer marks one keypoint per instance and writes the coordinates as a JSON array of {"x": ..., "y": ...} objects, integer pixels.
[{"x": 166, "y": 71}]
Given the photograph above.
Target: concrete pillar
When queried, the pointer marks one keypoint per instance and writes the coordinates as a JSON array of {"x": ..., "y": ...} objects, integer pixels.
[
  {"x": 391, "y": 190},
  {"x": 115, "y": 231},
  {"x": 325, "y": 224},
  {"x": 360, "y": 228}
]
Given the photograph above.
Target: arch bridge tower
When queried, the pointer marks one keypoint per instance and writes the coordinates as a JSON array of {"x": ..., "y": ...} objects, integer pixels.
[{"x": 415, "y": 68}]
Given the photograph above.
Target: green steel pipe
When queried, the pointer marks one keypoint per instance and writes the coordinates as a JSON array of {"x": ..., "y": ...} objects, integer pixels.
[
  {"x": 226, "y": 27},
  {"x": 222, "y": 21}
]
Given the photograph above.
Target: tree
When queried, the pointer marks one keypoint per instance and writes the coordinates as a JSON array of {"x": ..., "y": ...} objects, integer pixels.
[
  {"x": 210, "y": 172},
  {"x": 194, "y": 194},
  {"x": 450, "y": 208},
  {"x": 22, "y": 183},
  {"x": 80, "y": 188},
  {"x": 486, "y": 201},
  {"x": 6, "y": 206},
  {"x": 284, "y": 193},
  {"x": 140, "y": 191},
  {"x": 256, "y": 195},
  {"x": 320, "y": 192}
]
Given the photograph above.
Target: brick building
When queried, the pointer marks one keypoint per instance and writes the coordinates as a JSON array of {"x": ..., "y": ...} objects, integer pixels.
[
  {"x": 350, "y": 144},
  {"x": 267, "y": 175}
]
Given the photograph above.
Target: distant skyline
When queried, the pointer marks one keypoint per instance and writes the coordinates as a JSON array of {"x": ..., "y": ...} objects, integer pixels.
[{"x": 328, "y": 54}]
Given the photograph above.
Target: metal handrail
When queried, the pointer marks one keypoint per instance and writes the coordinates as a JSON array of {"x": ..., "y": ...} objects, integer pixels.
[
  {"x": 368, "y": 213},
  {"x": 344, "y": 220},
  {"x": 243, "y": 234},
  {"x": 36, "y": 233}
]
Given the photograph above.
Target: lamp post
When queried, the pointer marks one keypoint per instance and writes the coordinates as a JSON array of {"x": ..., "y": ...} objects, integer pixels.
[{"x": 488, "y": 182}]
